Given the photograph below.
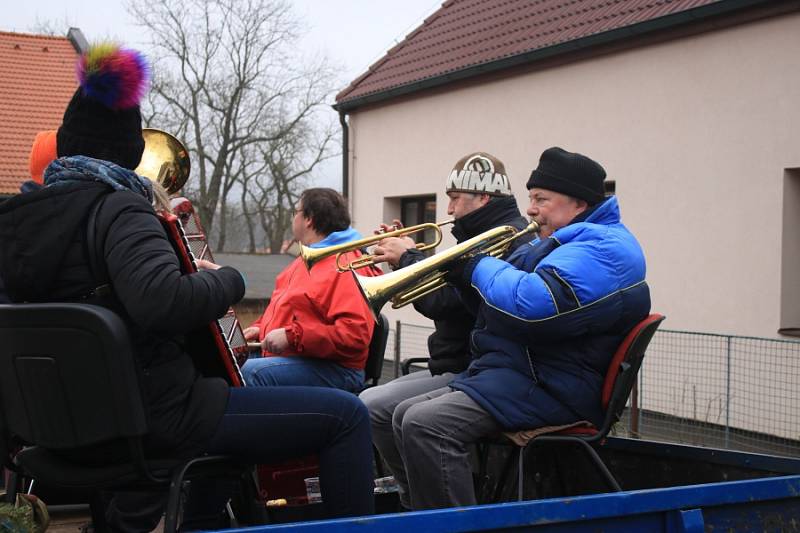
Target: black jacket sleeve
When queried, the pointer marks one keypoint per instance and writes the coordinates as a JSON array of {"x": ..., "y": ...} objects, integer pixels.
[
  {"x": 440, "y": 304},
  {"x": 145, "y": 272}
]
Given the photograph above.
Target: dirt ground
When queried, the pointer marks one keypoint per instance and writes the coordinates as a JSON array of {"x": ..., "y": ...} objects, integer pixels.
[{"x": 68, "y": 519}]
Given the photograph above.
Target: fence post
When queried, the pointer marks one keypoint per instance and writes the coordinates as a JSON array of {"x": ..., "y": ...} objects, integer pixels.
[
  {"x": 634, "y": 413},
  {"x": 397, "y": 349},
  {"x": 728, "y": 394}
]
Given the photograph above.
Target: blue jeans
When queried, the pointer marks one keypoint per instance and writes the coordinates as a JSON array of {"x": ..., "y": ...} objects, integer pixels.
[
  {"x": 271, "y": 424},
  {"x": 266, "y": 425},
  {"x": 307, "y": 371}
]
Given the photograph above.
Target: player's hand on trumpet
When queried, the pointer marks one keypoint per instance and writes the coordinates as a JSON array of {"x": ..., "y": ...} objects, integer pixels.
[
  {"x": 390, "y": 249},
  {"x": 384, "y": 228}
]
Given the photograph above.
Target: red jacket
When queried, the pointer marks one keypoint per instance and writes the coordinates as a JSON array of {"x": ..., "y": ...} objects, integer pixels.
[{"x": 323, "y": 312}]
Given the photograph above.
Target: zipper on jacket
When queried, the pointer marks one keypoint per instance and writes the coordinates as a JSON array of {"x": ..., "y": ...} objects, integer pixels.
[{"x": 530, "y": 363}]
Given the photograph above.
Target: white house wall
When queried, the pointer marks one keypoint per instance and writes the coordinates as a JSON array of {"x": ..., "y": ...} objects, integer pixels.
[{"x": 698, "y": 134}]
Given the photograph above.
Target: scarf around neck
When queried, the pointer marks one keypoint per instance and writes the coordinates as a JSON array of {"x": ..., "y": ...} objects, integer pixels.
[
  {"x": 499, "y": 211},
  {"x": 79, "y": 168}
]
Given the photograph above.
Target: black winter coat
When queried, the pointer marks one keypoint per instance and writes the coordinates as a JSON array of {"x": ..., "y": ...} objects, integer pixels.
[
  {"x": 3, "y": 296},
  {"x": 43, "y": 258},
  {"x": 448, "y": 345}
]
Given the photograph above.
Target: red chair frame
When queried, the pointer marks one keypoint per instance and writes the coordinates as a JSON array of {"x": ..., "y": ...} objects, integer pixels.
[{"x": 619, "y": 381}]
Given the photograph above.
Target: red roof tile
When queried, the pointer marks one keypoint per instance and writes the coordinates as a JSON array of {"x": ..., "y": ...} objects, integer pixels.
[
  {"x": 37, "y": 79},
  {"x": 463, "y": 36}
]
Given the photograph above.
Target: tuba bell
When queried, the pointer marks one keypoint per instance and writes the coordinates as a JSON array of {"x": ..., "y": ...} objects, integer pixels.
[{"x": 165, "y": 160}]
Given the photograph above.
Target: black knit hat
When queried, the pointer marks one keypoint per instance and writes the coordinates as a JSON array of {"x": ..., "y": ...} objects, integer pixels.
[
  {"x": 103, "y": 120},
  {"x": 569, "y": 173},
  {"x": 89, "y": 128}
]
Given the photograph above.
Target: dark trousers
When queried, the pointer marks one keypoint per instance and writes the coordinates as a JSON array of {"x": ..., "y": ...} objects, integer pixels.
[{"x": 265, "y": 425}]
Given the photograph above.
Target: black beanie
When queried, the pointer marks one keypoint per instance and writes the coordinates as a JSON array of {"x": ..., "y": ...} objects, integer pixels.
[
  {"x": 90, "y": 128},
  {"x": 103, "y": 120},
  {"x": 569, "y": 173}
]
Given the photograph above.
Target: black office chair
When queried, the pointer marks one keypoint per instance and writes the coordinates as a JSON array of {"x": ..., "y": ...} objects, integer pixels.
[
  {"x": 68, "y": 380},
  {"x": 405, "y": 366},
  {"x": 373, "y": 369},
  {"x": 377, "y": 349},
  {"x": 5, "y": 456}
]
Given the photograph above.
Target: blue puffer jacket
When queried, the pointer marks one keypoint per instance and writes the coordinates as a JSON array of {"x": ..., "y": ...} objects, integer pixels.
[{"x": 551, "y": 319}]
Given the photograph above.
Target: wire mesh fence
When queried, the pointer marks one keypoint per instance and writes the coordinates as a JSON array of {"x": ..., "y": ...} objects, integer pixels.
[{"x": 723, "y": 391}]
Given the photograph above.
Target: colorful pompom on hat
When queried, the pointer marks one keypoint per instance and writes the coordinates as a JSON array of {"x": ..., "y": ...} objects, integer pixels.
[{"x": 103, "y": 119}]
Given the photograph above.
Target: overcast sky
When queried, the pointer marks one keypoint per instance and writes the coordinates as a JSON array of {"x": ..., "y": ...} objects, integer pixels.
[{"x": 351, "y": 33}]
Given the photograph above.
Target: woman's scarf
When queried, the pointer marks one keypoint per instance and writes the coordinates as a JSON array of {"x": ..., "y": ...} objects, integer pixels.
[{"x": 81, "y": 168}]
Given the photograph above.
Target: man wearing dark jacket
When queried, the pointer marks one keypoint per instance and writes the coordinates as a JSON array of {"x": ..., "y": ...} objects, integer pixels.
[
  {"x": 479, "y": 199},
  {"x": 549, "y": 321}
]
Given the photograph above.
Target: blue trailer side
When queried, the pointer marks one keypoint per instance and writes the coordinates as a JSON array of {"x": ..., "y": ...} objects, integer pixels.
[
  {"x": 771, "y": 504},
  {"x": 752, "y": 492}
]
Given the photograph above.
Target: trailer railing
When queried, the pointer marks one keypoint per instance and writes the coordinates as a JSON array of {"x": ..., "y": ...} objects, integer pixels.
[{"x": 725, "y": 391}]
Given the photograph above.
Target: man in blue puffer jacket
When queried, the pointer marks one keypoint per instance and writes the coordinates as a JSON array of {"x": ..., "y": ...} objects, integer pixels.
[{"x": 550, "y": 319}]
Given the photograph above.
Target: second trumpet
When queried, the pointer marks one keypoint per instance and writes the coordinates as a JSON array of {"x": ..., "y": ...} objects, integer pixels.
[{"x": 312, "y": 256}]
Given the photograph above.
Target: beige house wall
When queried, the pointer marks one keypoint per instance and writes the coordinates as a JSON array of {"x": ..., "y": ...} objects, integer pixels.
[{"x": 701, "y": 135}]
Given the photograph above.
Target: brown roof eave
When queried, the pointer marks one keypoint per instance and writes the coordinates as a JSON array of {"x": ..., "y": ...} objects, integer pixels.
[{"x": 690, "y": 16}]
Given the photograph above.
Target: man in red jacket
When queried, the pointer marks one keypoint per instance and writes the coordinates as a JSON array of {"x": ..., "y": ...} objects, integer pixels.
[{"x": 317, "y": 327}]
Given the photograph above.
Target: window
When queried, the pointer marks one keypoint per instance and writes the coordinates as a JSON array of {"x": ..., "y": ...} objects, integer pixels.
[
  {"x": 419, "y": 210},
  {"x": 790, "y": 255},
  {"x": 609, "y": 188}
]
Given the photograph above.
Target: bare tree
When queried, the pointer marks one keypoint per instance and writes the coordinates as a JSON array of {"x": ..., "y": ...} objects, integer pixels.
[
  {"x": 228, "y": 82},
  {"x": 273, "y": 189},
  {"x": 51, "y": 27},
  {"x": 269, "y": 181}
]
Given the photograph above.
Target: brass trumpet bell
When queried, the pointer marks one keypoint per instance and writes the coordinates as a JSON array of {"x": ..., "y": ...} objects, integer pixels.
[{"x": 165, "y": 160}]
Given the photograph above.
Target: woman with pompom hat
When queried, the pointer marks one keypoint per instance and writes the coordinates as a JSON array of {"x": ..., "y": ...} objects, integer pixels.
[{"x": 44, "y": 258}]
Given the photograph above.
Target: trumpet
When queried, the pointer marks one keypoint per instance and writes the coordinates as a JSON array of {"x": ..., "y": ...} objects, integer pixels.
[
  {"x": 312, "y": 256},
  {"x": 403, "y": 286}
]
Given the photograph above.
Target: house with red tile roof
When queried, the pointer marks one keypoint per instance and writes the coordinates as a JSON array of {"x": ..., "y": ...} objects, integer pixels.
[
  {"x": 691, "y": 106},
  {"x": 37, "y": 80}
]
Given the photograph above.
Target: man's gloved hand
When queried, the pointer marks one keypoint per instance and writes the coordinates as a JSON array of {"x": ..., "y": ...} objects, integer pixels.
[{"x": 460, "y": 273}]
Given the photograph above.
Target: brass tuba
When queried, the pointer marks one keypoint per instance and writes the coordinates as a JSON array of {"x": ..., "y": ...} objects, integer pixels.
[
  {"x": 405, "y": 285},
  {"x": 165, "y": 160}
]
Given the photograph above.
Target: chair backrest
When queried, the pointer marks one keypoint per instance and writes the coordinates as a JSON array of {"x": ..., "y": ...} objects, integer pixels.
[
  {"x": 624, "y": 369},
  {"x": 67, "y": 375},
  {"x": 377, "y": 348}
]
